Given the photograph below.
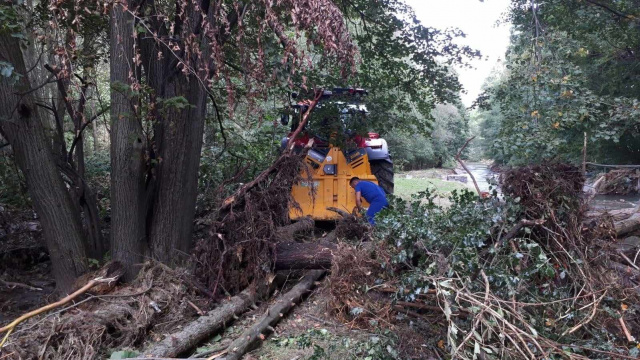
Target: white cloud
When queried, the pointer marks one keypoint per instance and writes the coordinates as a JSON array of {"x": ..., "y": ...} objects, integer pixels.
[{"x": 478, "y": 21}]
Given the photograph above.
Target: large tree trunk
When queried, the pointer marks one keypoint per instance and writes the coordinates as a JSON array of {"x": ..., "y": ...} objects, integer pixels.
[
  {"x": 178, "y": 137},
  {"x": 314, "y": 255},
  {"x": 22, "y": 124},
  {"x": 128, "y": 210},
  {"x": 179, "y": 143}
]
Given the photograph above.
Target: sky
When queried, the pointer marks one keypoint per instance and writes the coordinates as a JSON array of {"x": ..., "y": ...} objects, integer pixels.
[{"x": 478, "y": 21}]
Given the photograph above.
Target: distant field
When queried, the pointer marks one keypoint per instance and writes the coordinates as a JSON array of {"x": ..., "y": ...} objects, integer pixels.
[{"x": 421, "y": 180}]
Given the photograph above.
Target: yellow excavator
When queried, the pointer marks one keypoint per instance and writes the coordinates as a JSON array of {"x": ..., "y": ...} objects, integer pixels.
[{"x": 338, "y": 153}]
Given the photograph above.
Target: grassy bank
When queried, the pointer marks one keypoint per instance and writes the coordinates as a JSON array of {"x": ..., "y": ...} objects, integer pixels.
[{"x": 412, "y": 182}]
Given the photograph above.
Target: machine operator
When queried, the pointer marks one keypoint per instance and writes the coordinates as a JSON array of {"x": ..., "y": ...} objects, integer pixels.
[{"x": 374, "y": 195}]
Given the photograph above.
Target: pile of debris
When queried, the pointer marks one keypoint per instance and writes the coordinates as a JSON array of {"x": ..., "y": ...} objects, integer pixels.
[
  {"x": 618, "y": 182},
  {"x": 520, "y": 278}
]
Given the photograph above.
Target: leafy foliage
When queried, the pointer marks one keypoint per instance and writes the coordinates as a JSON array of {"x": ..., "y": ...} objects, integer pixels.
[
  {"x": 573, "y": 77},
  {"x": 413, "y": 150}
]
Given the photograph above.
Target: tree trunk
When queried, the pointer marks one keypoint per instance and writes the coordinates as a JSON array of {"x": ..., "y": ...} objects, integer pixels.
[
  {"x": 179, "y": 143},
  {"x": 94, "y": 133},
  {"x": 628, "y": 226},
  {"x": 128, "y": 210},
  {"x": 178, "y": 137},
  {"x": 314, "y": 255},
  {"x": 204, "y": 327},
  {"x": 21, "y": 123},
  {"x": 265, "y": 324}
]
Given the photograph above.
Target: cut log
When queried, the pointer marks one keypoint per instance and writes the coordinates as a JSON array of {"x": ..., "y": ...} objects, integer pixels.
[
  {"x": 293, "y": 255},
  {"x": 287, "y": 232},
  {"x": 202, "y": 328},
  {"x": 628, "y": 226},
  {"x": 616, "y": 215},
  {"x": 265, "y": 324}
]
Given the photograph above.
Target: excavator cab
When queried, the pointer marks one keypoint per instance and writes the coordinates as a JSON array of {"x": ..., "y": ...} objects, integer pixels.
[{"x": 339, "y": 152}]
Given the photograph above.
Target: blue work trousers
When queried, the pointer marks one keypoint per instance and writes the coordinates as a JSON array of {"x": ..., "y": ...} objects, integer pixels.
[{"x": 375, "y": 208}]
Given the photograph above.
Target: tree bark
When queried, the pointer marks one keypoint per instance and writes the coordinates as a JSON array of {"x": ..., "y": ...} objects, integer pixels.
[
  {"x": 21, "y": 123},
  {"x": 628, "y": 225},
  {"x": 179, "y": 144},
  {"x": 178, "y": 137},
  {"x": 616, "y": 215},
  {"x": 128, "y": 210},
  {"x": 275, "y": 313},
  {"x": 314, "y": 255},
  {"x": 202, "y": 328}
]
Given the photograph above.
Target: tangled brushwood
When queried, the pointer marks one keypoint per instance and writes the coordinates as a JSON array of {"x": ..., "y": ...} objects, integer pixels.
[
  {"x": 619, "y": 181},
  {"x": 238, "y": 248},
  {"x": 125, "y": 317},
  {"x": 514, "y": 278}
]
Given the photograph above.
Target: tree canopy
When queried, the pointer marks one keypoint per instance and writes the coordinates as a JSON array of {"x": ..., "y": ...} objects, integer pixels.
[{"x": 571, "y": 70}]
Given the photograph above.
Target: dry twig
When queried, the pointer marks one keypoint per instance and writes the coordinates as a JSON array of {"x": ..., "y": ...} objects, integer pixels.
[{"x": 9, "y": 328}]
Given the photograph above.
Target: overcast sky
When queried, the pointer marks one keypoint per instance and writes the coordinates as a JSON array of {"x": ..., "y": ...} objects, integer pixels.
[{"x": 478, "y": 21}]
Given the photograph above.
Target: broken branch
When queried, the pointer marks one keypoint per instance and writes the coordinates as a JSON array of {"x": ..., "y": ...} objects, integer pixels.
[
  {"x": 9, "y": 328},
  {"x": 275, "y": 313},
  {"x": 465, "y": 166}
]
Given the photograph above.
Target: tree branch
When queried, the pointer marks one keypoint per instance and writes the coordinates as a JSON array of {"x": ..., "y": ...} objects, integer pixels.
[
  {"x": 465, "y": 166},
  {"x": 305, "y": 118},
  {"x": 610, "y": 9},
  {"x": 79, "y": 134}
]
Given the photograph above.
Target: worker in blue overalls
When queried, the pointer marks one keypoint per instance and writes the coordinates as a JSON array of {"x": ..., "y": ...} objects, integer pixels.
[{"x": 374, "y": 195}]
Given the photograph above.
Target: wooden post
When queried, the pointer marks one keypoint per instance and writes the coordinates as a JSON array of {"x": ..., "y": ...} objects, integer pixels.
[{"x": 584, "y": 155}]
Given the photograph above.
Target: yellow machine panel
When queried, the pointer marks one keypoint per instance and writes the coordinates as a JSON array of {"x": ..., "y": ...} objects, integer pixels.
[{"x": 331, "y": 174}]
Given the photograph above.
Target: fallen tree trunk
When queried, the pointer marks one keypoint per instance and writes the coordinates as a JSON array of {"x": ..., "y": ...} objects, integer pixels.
[
  {"x": 202, "y": 328},
  {"x": 616, "y": 215},
  {"x": 628, "y": 225},
  {"x": 265, "y": 324},
  {"x": 287, "y": 232},
  {"x": 293, "y": 255}
]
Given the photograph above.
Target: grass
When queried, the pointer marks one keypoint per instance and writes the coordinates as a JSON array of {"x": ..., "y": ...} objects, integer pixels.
[
  {"x": 404, "y": 188},
  {"x": 421, "y": 180}
]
